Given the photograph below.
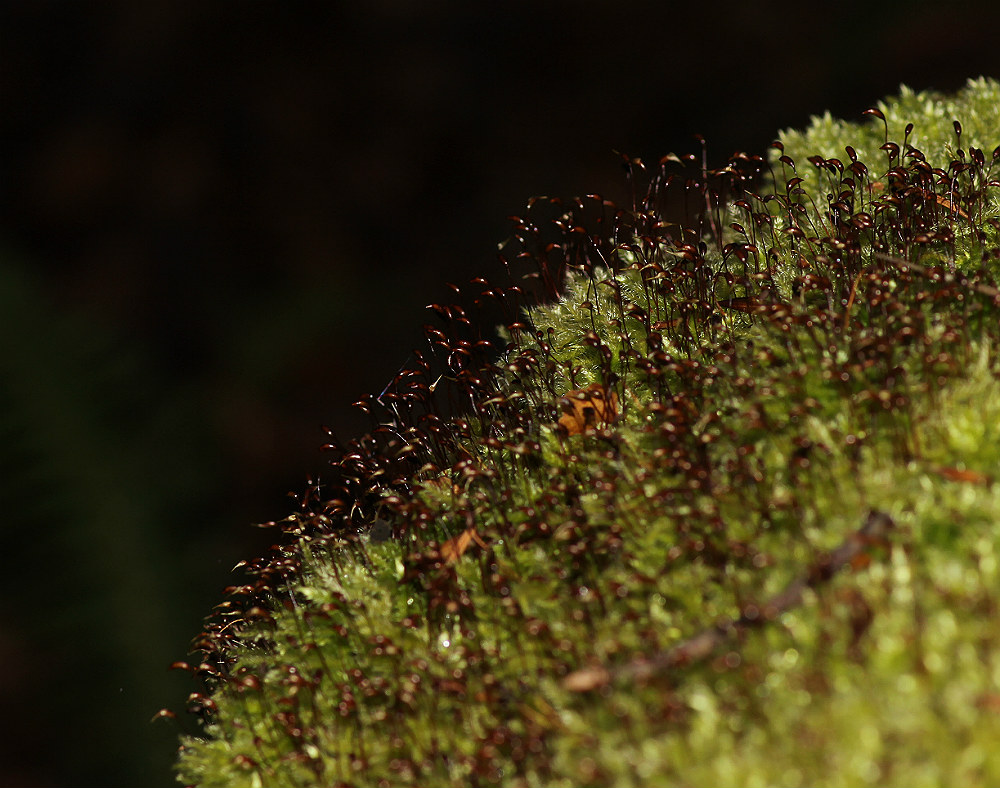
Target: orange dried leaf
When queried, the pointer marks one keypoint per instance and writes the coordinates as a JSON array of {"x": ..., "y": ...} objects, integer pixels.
[
  {"x": 454, "y": 548},
  {"x": 988, "y": 701},
  {"x": 945, "y": 202},
  {"x": 587, "y": 409},
  {"x": 741, "y": 304},
  {"x": 961, "y": 475}
]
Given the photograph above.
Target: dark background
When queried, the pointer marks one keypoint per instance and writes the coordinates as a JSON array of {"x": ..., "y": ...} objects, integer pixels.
[{"x": 220, "y": 223}]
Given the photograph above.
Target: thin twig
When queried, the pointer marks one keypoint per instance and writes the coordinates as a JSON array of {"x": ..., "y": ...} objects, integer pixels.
[
  {"x": 853, "y": 551},
  {"x": 850, "y": 301}
]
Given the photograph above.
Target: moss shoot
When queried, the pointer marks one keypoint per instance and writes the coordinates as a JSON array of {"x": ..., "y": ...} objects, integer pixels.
[{"x": 719, "y": 507}]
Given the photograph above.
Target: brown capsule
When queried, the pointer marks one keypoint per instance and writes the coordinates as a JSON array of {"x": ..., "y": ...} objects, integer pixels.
[
  {"x": 181, "y": 666},
  {"x": 586, "y": 679}
]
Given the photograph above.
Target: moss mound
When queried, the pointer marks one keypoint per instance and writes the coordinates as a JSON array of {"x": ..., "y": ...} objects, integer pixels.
[{"x": 719, "y": 507}]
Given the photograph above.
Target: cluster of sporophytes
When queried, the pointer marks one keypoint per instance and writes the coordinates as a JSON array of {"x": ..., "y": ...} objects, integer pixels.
[{"x": 718, "y": 508}]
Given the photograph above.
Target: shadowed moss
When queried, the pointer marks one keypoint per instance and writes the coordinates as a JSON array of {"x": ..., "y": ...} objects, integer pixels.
[{"x": 769, "y": 561}]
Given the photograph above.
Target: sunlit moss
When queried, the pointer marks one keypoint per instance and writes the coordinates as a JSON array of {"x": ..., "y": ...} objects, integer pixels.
[{"x": 482, "y": 596}]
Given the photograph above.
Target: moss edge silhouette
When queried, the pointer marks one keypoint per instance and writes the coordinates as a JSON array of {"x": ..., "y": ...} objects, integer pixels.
[{"x": 717, "y": 507}]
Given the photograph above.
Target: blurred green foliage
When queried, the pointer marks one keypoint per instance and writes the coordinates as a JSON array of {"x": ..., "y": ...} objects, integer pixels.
[
  {"x": 88, "y": 442},
  {"x": 119, "y": 524}
]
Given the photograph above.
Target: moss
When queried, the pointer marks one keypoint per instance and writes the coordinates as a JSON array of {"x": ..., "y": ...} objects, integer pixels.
[
  {"x": 772, "y": 562},
  {"x": 933, "y": 115}
]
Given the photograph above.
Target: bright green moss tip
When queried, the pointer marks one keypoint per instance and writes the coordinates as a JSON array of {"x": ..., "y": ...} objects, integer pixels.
[
  {"x": 682, "y": 584},
  {"x": 933, "y": 115}
]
